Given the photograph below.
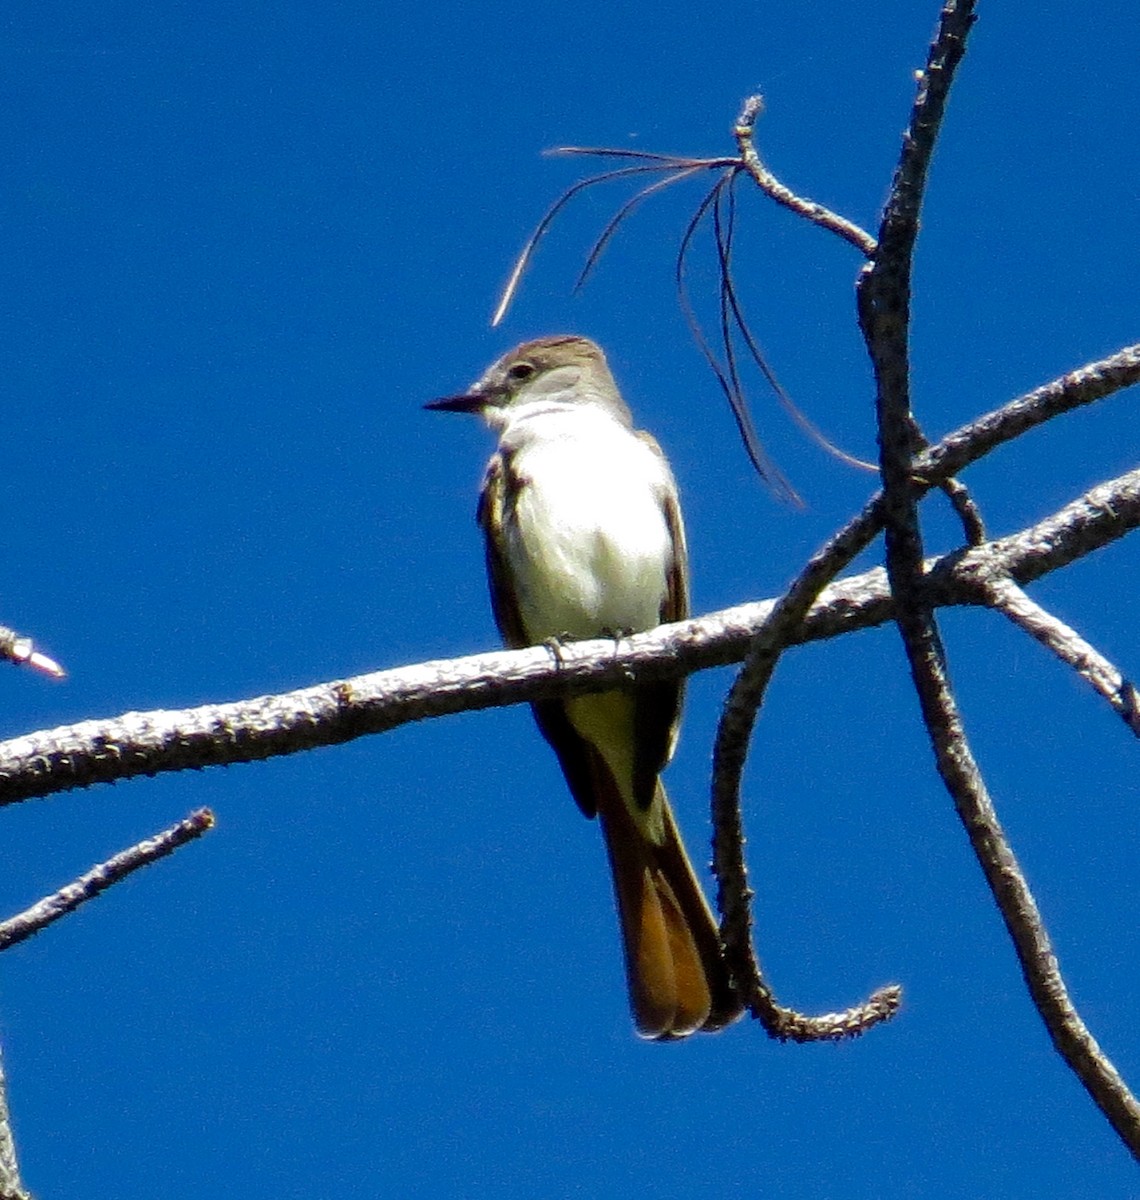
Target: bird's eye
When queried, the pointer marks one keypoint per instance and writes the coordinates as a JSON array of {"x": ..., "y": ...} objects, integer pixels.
[{"x": 520, "y": 371}]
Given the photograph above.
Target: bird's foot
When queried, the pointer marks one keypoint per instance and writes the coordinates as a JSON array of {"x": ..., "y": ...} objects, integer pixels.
[{"x": 554, "y": 646}]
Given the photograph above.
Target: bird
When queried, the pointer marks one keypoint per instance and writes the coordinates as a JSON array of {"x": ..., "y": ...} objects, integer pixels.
[{"x": 583, "y": 539}]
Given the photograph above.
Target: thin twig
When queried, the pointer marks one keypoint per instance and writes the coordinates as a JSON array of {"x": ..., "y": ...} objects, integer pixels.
[
  {"x": 973, "y": 527},
  {"x": 743, "y": 131},
  {"x": 96, "y": 881},
  {"x": 1019, "y": 911},
  {"x": 884, "y": 301},
  {"x": 1011, "y": 601}
]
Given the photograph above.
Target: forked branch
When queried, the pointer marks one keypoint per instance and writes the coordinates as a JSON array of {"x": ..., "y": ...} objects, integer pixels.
[{"x": 884, "y": 296}]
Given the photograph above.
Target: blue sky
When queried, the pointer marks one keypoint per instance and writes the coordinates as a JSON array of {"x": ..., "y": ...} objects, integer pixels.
[{"x": 242, "y": 244}]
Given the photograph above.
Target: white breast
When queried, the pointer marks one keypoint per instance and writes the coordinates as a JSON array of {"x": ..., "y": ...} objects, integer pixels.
[{"x": 589, "y": 546}]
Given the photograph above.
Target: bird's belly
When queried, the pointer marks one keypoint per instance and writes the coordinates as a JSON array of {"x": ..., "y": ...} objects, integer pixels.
[{"x": 588, "y": 555}]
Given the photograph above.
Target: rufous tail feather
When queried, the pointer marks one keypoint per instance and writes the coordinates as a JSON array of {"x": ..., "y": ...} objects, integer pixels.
[{"x": 678, "y": 983}]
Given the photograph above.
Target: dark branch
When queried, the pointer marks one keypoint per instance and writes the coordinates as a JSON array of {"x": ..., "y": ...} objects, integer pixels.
[{"x": 884, "y": 298}]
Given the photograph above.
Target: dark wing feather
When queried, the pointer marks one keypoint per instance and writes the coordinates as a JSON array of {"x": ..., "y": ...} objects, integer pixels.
[
  {"x": 489, "y": 514},
  {"x": 500, "y": 487},
  {"x": 658, "y": 711}
]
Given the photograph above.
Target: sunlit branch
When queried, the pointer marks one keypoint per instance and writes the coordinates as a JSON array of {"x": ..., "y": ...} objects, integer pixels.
[
  {"x": 770, "y": 186},
  {"x": 21, "y": 650},
  {"x": 1007, "y": 598},
  {"x": 96, "y": 881}
]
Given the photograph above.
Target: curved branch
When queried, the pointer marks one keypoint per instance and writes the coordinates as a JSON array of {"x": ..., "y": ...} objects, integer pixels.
[
  {"x": 932, "y": 467},
  {"x": 966, "y": 509},
  {"x": 884, "y": 295},
  {"x": 816, "y": 213},
  {"x": 734, "y": 732}
]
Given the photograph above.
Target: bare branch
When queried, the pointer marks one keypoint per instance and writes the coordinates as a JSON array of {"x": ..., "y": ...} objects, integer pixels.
[
  {"x": 734, "y": 896},
  {"x": 96, "y": 881},
  {"x": 770, "y": 186},
  {"x": 1019, "y": 911},
  {"x": 973, "y": 527},
  {"x": 11, "y": 1186},
  {"x": 106, "y": 750},
  {"x": 734, "y": 732},
  {"x": 884, "y": 294},
  {"x": 789, "y": 1025},
  {"x": 785, "y": 1024},
  {"x": 1068, "y": 645},
  {"x": 936, "y": 466},
  {"x": 50, "y": 909}
]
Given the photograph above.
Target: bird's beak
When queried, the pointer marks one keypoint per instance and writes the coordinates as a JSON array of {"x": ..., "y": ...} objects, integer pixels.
[{"x": 469, "y": 402}]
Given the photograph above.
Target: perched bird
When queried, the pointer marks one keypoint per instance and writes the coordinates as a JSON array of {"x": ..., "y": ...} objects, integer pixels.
[{"x": 584, "y": 539}]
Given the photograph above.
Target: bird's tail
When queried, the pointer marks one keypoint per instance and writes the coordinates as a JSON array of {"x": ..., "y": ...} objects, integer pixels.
[{"x": 678, "y": 982}]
